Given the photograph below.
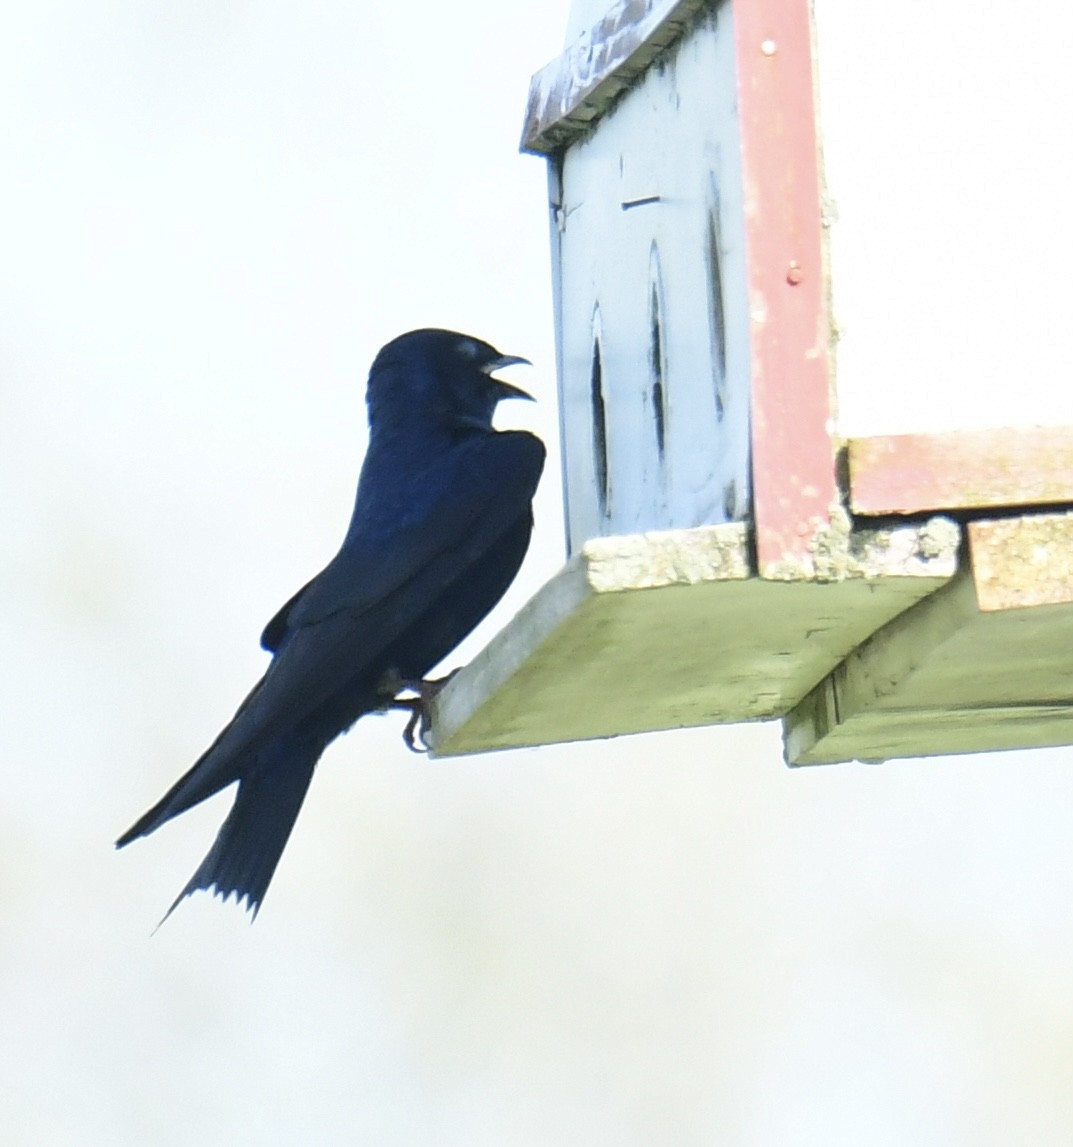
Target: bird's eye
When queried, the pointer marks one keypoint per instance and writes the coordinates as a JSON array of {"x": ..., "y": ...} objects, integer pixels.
[{"x": 468, "y": 348}]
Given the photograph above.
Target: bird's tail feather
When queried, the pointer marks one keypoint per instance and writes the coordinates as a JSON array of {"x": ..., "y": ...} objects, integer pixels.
[
  {"x": 250, "y": 842},
  {"x": 220, "y": 765}
]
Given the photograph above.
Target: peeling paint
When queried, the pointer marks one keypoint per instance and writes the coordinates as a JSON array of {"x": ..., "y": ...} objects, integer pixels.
[{"x": 571, "y": 93}]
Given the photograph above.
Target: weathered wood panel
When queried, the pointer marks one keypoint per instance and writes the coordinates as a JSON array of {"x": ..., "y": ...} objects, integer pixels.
[
  {"x": 1023, "y": 562},
  {"x": 670, "y": 629},
  {"x": 580, "y": 85},
  {"x": 961, "y": 470}
]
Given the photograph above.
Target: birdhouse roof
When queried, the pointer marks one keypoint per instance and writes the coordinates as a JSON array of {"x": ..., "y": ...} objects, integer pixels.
[{"x": 570, "y": 94}]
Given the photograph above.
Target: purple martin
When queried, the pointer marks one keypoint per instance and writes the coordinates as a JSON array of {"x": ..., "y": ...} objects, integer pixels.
[{"x": 441, "y": 522}]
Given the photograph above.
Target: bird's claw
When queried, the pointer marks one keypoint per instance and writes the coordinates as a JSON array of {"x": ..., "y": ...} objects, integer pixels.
[{"x": 419, "y": 725}]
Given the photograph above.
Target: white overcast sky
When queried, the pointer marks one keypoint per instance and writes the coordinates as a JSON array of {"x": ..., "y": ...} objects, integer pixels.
[{"x": 211, "y": 216}]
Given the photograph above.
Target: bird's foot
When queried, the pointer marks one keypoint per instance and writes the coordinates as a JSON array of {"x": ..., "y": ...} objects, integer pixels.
[{"x": 419, "y": 707}]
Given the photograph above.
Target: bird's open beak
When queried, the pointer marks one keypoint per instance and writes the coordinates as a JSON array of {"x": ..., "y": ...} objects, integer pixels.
[{"x": 508, "y": 389}]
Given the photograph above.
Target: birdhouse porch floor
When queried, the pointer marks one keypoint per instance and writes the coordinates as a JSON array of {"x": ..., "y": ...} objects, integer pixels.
[{"x": 673, "y": 629}]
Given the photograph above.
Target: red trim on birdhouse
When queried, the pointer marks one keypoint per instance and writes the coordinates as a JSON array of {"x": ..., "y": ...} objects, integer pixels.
[
  {"x": 962, "y": 470},
  {"x": 793, "y": 450}
]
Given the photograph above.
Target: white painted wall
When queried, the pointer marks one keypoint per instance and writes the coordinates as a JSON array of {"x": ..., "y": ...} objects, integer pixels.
[
  {"x": 672, "y": 139},
  {"x": 949, "y": 160}
]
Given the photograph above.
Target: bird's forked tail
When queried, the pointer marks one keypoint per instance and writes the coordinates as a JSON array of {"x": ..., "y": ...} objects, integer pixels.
[{"x": 250, "y": 842}]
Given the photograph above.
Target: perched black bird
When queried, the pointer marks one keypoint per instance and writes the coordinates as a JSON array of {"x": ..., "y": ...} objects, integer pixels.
[{"x": 441, "y": 523}]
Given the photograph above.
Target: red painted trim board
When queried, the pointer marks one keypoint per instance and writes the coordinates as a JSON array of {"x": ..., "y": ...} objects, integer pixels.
[{"x": 794, "y": 484}]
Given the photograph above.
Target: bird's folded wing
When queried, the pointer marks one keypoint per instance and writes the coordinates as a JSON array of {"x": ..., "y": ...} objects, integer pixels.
[
  {"x": 368, "y": 595},
  {"x": 463, "y": 515}
]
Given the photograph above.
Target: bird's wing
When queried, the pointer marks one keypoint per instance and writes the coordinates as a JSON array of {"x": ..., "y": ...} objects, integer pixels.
[
  {"x": 461, "y": 514},
  {"x": 373, "y": 590}
]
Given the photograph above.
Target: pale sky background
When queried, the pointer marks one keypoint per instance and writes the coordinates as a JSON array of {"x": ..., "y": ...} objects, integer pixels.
[{"x": 211, "y": 216}]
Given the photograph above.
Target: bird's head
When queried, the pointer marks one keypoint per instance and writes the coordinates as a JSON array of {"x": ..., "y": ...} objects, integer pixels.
[{"x": 441, "y": 376}]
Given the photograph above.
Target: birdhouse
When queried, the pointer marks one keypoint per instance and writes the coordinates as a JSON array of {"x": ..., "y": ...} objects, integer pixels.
[{"x": 874, "y": 545}]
